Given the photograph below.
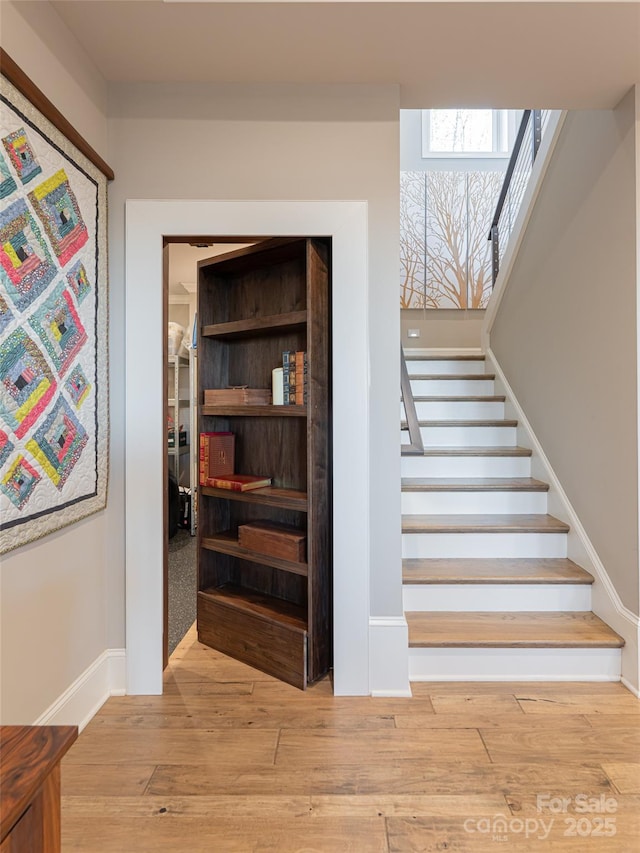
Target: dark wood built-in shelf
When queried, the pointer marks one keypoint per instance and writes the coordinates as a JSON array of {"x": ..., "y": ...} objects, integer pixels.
[
  {"x": 245, "y": 328},
  {"x": 254, "y": 304},
  {"x": 263, "y": 631},
  {"x": 269, "y": 496},
  {"x": 254, "y": 411},
  {"x": 226, "y": 542},
  {"x": 250, "y": 601}
]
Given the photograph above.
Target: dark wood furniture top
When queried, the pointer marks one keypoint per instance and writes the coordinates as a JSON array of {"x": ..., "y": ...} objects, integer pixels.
[{"x": 30, "y": 786}]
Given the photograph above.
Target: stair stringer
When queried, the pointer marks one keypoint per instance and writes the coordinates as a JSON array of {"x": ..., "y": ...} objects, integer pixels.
[{"x": 605, "y": 601}]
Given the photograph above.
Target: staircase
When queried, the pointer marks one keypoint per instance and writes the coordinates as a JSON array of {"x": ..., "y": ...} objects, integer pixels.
[{"x": 489, "y": 593}]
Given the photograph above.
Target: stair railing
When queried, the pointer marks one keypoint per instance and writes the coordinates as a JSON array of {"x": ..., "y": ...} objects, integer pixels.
[
  {"x": 525, "y": 151},
  {"x": 415, "y": 437}
]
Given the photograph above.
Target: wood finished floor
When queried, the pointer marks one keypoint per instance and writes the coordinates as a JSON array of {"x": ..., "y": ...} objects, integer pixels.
[{"x": 232, "y": 761}]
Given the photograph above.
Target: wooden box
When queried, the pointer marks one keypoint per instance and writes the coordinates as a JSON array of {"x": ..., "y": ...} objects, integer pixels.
[
  {"x": 277, "y": 540},
  {"x": 237, "y": 397}
]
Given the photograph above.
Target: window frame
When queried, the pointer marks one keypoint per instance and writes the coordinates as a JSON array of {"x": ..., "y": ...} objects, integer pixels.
[{"x": 503, "y": 129}]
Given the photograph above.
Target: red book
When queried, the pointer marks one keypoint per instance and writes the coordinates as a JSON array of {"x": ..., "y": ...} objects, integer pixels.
[
  {"x": 216, "y": 455},
  {"x": 238, "y": 482}
]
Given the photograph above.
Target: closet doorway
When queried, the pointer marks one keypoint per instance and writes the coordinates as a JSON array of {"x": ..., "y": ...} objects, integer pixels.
[
  {"x": 149, "y": 223},
  {"x": 180, "y": 299}
]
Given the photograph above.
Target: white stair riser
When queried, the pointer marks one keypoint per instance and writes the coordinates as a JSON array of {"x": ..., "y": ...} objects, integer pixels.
[
  {"x": 496, "y": 597},
  {"x": 465, "y": 466},
  {"x": 456, "y": 410},
  {"x": 461, "y": 503},
  {"x": 445, "y": 545},
  {"x": 468, "y": 436},
  {"x": 446, "y": 367},
  {"x": 482, "y": 664},
  {"x": 452, "y": 387},
  {"x": 464, "y": 436}
]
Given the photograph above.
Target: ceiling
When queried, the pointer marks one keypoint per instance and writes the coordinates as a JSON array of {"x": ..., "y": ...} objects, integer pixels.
[
  {"x": 183, "y": 257},
  {"x": 574, "y": 54}
]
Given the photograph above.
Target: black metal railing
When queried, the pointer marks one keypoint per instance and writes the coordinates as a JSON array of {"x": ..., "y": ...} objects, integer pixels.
[{"x": 525, "y": 151}]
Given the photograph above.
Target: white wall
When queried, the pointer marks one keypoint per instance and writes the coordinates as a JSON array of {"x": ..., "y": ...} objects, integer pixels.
[
  {"x": 452, "y": 328},
  {"x": 35, "y": 37},
  {"x": 280, "y": 142},
  {"x": 53, "y": 593},
  {"x": 566, "y": 331},
  {"x": 63, "y": 599}
]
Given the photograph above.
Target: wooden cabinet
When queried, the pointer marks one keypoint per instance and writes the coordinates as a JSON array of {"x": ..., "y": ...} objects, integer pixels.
[
  {"x": 30, "y": 787},
  {"x": 254, "y": 304}
]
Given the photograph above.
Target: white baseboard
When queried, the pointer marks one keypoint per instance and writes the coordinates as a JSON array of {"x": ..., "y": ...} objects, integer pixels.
[
  {"x": 388, "y": 664},
  {"x": 512, "y": 664},
  {"x": 631, "y": 688},
  {"x": 79, "y": 703},
  {"x": 606, "y": 602}
]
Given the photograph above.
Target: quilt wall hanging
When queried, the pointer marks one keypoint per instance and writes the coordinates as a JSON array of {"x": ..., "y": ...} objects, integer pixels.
[{"x": 54, "y": 425}]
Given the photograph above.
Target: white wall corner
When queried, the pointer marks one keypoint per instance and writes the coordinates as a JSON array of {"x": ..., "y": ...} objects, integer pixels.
[
  {"x": 389, "y": 656},
  {"x": 539, "y": 170},
  {"x": 606, "y": 602},
  {"x": 82, "y": 700}
]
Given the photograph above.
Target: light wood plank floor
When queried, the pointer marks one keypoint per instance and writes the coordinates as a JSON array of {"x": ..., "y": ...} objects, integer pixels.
[{"x": 230, "y": 760}]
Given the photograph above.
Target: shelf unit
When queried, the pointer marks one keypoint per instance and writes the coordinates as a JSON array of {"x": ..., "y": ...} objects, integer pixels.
[
  {"x": 182, "y": 460},
  {"x": 254, "y": 304}
]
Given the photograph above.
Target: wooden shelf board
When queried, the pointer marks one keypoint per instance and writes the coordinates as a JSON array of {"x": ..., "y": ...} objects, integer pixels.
[
  {"x": 226, "y": 542},
  {"x": 268, "y": 496},
  {"x": 476, "y": 451},
  {"x": 511, "y": 630},
  {"x": 255, "y": 411},
  {"x": 267, "y": 325},
  {"x": 519, "y": 570},
  {"x": 499, "y": 398},
  {"x": 525, "y": 523},
  {"x": 473, "y": 484},
  {"x": 445, "y": 357},
  {"x": 452, "y": 376},
  {"x": 273, "y": 251},
  {"x": 257, "y": 604},
  {"x": 464, "y": 423}
]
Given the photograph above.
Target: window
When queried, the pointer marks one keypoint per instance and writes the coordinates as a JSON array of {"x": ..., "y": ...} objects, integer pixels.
[{"x": 467, "y": 133}]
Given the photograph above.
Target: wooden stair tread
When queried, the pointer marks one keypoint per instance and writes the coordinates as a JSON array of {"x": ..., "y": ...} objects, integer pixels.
[
  {"x": 473, "y": 451},
  {"x": 444, "y": 357},
  {"x": 473, "y": 484},
  {"x": 422, "y": 570},
  {"x": 464, "y": 423},
  {"x": 500, "y": 398},
  {"x": 508, "y": 523},
  {"x": 510, "y": 630},
  {"x": 454, "y": 376}
]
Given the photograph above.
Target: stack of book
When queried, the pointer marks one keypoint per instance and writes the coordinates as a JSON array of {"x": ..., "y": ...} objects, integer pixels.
[
  {"x": 294, "y": 377},
  {"x": 217, "y": 459},
  {"x": 238, "y": 482}
]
